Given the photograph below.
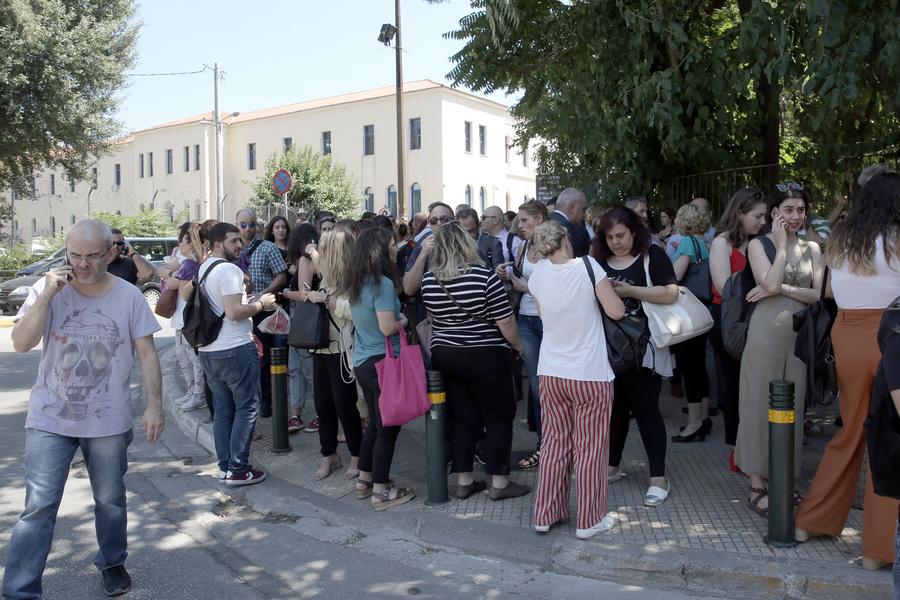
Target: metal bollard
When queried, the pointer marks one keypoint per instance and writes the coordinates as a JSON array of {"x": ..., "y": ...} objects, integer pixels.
[
  {"x": 278, "y": 368},
  {"x": 781, "y": 464},
  {"x": 435, "y": 440}
]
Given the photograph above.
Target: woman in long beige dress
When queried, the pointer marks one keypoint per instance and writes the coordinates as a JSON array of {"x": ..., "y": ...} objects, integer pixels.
[{"x": 786, "y": 285}]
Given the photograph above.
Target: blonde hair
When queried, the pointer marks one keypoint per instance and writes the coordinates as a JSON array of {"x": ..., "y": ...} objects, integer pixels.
[
  {"x": 454, "y": 252},
  {"x": 691, "y": 220},
  {"x": 548, "y": 237},
  {"x": 335, "y": 249}
]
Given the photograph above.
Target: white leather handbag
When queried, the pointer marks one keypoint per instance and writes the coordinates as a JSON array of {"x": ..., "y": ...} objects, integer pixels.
[{"x": 682, "y": 320}]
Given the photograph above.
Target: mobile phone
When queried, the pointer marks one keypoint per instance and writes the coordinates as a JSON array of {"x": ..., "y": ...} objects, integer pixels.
[
  {"x": 306, "y": 287},
  {"x": 66, "y": 263}
]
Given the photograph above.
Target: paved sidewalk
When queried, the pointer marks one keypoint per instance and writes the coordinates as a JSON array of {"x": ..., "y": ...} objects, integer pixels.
[{"x": 704, "y": 534}]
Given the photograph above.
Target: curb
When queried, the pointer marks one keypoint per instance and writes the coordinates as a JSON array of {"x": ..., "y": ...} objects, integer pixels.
[{"x": 6, "y": 321}]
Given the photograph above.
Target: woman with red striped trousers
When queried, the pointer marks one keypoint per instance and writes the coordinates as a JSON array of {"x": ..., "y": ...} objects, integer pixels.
[{"x": 575, "y": 383}]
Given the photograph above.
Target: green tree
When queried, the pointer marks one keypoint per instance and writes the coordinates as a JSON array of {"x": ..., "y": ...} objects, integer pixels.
[
  {"x": 628, "y": 93},
  {"x": 62, "y": 66},
  {"x": 146, "y": 223},
  {"x": 317, "y": 183}
]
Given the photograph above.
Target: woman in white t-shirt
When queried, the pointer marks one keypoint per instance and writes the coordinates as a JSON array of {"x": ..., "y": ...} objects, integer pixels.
[
  {"x": 865, "y": 261},
  {"x": 575, "y": 383}
]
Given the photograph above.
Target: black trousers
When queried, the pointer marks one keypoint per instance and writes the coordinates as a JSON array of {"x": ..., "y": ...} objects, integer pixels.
[
  {"x": 376, "y": 453},
  {"x": 335, "y": 401},
  {"x": 638, "y": 392},
  {"x": 731, "y": 372},
  {"x": 691, "y": 358},
  {"x": 479, "y": 389}
]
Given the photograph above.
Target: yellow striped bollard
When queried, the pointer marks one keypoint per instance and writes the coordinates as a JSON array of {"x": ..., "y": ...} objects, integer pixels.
[{"x": 436, "y": 439}]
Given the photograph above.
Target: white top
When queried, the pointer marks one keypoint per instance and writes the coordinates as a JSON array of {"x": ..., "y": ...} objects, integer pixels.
[
  {"x": 226, "y": 280},
  {"x": 526, "y": 304},
  {"x": 574, "y": 345},
  {"x": 876, "y": 291}
]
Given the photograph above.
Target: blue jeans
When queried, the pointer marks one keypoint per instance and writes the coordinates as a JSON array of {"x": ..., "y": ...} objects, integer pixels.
[
  {"x": 300, "y": 377},
  {"x": 47, "y": 460},
  {"x": 233, "y": 377},
  {"x": 531, "y": 332}
]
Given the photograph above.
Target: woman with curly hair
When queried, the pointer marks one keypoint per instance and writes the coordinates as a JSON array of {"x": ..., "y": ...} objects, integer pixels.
[
  {"x": 625, "y": 250},
  {"x": 865, "y": 278},
  {"x": 375, "y": 307},
  {"x": 474, "y": 328}
]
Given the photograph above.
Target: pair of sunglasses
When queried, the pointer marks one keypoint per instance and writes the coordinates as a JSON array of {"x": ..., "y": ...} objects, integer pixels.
[{"x": 791, "y": 185}]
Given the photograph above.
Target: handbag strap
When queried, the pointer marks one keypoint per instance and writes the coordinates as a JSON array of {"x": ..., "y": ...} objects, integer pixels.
[
  {"x": 590, "y": 271},
  {"x": 459, "y": 306},
  {"x": 696, "y": 246},
  {"x": 647, "y": 269},
  {"x": 389, "y": 349}
]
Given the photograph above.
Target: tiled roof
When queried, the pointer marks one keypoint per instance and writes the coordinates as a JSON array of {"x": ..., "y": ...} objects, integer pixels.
[{"x": 382, "y": 92}]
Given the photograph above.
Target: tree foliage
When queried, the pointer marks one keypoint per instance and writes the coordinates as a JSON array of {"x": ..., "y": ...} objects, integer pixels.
[
  {"x": 632, "y": 92},
  {"x": 62, "y": 67},
  {"x": 317, "y": 183},
  {"x": 146, "y": 223}
]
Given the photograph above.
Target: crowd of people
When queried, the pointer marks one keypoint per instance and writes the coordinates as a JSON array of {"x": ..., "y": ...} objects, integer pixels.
[{"x": 498, "y": 300}]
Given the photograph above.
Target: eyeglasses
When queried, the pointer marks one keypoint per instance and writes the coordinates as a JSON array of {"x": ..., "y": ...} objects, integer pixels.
[
  {"x": 791, "y": 185},
  {"x": 119, "y": 243},
  {"x": 251, "y": 225},
  {"x": 442, "y": 220},
  {"x": 91, "y": 259},
  {"x": 483, "y": 217}
]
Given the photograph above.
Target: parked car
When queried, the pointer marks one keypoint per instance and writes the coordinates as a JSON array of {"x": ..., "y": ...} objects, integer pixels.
[
  {"x": 33, "y": 267},
  {"x": 13, "y": 292}
]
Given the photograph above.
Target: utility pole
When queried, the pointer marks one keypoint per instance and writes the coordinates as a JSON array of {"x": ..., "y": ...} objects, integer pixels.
[
  {"x": 401, "y": 154},
  {"x": 220, "y": 175}
]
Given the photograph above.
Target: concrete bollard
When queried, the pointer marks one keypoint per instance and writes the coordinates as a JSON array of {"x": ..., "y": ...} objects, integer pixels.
[
  {"x": 781, "y": 464},
  {"x": 278, "y": 368},
  {"x": 435, "y": 440}
]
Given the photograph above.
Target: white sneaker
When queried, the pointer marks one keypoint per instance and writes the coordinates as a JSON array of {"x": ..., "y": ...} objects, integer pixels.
[
  {"x": 605, "y": 524},
  {"x": 182, "y": 400},
  {"x": 193, "y": 404}
]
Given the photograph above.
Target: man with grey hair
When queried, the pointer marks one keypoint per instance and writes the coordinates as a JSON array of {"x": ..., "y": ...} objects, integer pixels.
[
  {"x": 492, "y": 222},
  {"x": 639, "y": 205},
  {"x": 489, "y": 247},
  {"x": 870, "y": 172},
  {"x": 91, "y": 324},
  {"x": 571, "y": 206}
]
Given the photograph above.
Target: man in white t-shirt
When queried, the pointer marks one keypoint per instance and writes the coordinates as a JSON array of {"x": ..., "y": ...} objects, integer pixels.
[
  {"x": 92, "y": 324},
  {"x": 231, "y": 363}
]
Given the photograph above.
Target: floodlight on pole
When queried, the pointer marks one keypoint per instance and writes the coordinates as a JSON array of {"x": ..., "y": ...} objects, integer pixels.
[{"x": 387, "y": 34}]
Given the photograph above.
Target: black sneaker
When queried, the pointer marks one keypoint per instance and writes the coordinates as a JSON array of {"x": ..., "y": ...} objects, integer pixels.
[
  {"x": 116, "y": 581},
  {"x": 265, "y": 411}
]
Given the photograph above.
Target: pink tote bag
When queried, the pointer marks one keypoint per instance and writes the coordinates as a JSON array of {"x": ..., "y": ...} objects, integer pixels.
[{"x": 402, "y": 382}]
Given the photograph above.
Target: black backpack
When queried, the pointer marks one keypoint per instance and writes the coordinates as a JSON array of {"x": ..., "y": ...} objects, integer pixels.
[
  {"x": 201, "y": 323},
  {"x": 736, "y": 310}
]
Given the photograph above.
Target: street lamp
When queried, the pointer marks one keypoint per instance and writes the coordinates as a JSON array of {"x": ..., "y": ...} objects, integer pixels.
[
  {"x": 388, "y": 32},
  {"x": 220, "y": 173}
]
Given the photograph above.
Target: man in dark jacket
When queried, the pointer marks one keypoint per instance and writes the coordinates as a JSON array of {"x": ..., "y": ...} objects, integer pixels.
[{"x": 571, "y": 206}]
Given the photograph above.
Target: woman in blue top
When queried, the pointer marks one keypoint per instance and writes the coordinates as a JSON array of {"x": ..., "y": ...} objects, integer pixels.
[
  {"x": 690, "y": 356},
  {"x": 375, "y": 308}
]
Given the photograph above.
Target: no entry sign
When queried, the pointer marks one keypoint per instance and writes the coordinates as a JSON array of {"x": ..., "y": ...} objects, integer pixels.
[{"x": 282, "y": 181}]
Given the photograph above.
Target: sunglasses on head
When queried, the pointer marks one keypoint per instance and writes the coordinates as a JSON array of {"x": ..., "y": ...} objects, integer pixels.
[
  {"x": 251, "y": 224},
  {"x": 791, "y": 185},
  {"x": 442, "y": 220}
]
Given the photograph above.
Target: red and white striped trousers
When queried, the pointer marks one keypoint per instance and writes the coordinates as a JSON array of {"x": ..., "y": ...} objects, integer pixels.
[{"x": 575, "y": 423}]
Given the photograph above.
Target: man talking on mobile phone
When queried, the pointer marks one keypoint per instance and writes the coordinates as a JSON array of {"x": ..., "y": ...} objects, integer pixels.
[{"x": 126, "y": 263}]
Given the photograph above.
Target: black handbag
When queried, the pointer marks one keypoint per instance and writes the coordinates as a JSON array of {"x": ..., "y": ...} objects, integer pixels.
[
  {"x": 309, "y": 326},
  {"x": 697, "y": 278},
  {"x": 813, "y": 347},
  {"x": 883, "y": 424},
  {"x": 626, "y": 339}
]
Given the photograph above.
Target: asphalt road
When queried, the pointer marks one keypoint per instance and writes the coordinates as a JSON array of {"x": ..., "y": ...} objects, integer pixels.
[{"x": 189, "y": 537}]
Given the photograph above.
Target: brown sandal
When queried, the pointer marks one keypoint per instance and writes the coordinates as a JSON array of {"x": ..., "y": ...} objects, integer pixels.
[
  {"x": 754, "y": 504},
  {"x": 384, "y": 501}
]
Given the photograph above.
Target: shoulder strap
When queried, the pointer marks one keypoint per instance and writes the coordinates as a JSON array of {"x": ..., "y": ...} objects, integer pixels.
[
  {"x": 647, "y": 269},
  {"x": 696, "y": 246},
  {"x": 768, "y": 246},
  {"x": 252, "y": 247},
  {"x": 211, "y": 267},
  {"x": 459, "y": 306},
  {"x": 509, "y": 246}
]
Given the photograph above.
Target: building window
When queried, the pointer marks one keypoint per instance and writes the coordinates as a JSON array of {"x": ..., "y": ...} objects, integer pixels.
[
  {"x": 118, "y": 175},
  {"x": 251, "y": 157},
  {"x": 73, "y": 219},
  {"x": 53, "y": 226},
  {"x": 525, "y": 157},
  {"x": 469, "y": 195},
  {"x": 170, "y": 168},
  {"x": 506, "y": 147},
  {"x": 94, "y": 178},
  {"x": 288, "y": 144},
  {"x": 508, "y": 200},
  {"x": 370, "y": 199},
  {"x": 482, "y": 140},
  {"x": 52, "y": 184},
  {"x": 326, "y": 143},
  {"x": 392, "y": 199},
  {"x": 71, "y": 183},
  {"x": 150, "y": 163},
  {"x": 141, "y": 166},
  {"x": 368, "y": 140},
  {"x": 34, "y": 227},
  {"x": 187, "y": 159},
  {"x": 415, "y": 199},
  {"x": 34, "y": 188},
  {"x": 415, "y": 134},
  {"x": 468, "y": 137},
  {"x": 196, "y": 157},
  {"x": 482, "y": 195}
]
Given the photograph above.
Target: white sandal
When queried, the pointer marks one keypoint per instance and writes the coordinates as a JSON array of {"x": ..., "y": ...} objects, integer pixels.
[{"x": 656, "y": 495}]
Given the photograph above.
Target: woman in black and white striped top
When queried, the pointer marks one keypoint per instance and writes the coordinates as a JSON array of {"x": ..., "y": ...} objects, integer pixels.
[{"x": 474, "y": 328}]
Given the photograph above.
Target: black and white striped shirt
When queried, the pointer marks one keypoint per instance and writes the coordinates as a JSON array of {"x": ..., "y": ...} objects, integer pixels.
[{"x": 481, "y": 293}]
